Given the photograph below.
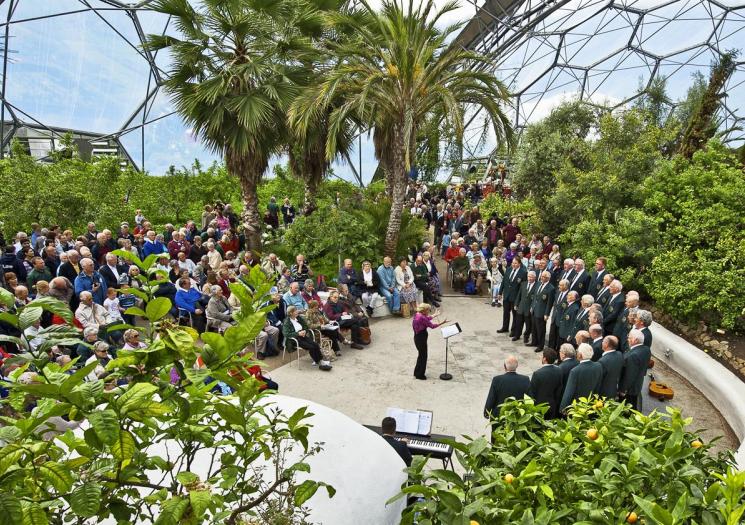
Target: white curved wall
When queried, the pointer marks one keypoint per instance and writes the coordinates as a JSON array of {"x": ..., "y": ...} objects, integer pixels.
[{"x": 720, "y": 386}]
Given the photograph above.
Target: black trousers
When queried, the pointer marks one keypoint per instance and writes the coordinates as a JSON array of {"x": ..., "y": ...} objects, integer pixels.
[
  {"x": 311, "y": 346},
  {"x": 635, "y": 402},
  {"x": 553, "y": 337},
  {"x": 521, "y": 321},
  {"x": 538, "y": 332},
  {"x": 420, "y": 341},
  {"x": 507, "y": 311},
  {"x": 354, "y": 325}
]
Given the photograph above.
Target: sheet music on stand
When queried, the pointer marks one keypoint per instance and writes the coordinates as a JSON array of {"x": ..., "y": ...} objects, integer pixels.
[
  {"x": 411, "y": 421},
  {"x": 450, "y": 330}
]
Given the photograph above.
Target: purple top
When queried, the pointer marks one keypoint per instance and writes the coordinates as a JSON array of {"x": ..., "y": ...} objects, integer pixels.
[{"x": 421, "y": 322}]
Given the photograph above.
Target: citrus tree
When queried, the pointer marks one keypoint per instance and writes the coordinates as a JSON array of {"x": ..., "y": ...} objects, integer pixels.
[
  {"x": 604, "y": 464},
  {"x": 157, "y": 439}
]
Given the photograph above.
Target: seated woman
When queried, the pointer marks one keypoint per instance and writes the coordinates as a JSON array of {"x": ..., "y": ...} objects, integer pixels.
[
  {"x": 335, "y": 310},
  {"x": 368, "y": 283},
  {"x": 316, "y": 321},
  {"x": 460, "y": 266},
  {"x": 349, "y": 302},
  {"x": 478, "y": 271},
  {"x": 218, "y": 310},
  {"x": 421, "y": 280},
  {"x": 309, "y": 292},
  {"x": 188, "y": 299},
  {"x": 295, "y": 327},
  {"x": 406, "y": 288}
]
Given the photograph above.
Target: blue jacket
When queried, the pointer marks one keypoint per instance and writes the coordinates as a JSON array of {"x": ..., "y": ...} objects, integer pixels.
[
  {"x": 153, "y": 247},
  {"x": 387, "y": 277},
  {"x": 188, "y": 300},
  {"x": 295, "y": 300},
  {"x": 83, "y": 283}
]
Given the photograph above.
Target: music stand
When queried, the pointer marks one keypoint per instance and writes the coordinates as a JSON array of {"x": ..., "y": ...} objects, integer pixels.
[{"x": 448, "y": 332}]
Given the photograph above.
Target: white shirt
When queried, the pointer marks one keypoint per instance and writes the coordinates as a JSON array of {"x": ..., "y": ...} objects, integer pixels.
[
  {"x": 296, "y": 324},
  {"x": 114, "y": 271},
  {"x": 367, "y": 277}
]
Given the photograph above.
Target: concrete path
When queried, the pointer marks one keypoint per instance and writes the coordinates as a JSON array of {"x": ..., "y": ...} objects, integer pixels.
[{"x": 365, "y": 382}]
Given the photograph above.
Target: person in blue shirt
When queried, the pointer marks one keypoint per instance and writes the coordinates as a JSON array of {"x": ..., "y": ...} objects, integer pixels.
[
  {"x": 89, "y": 280},
  {"x": 293, "y": 297},
  {"x": 152, "y": 245},
  {"x": 189, "y": 299},
  {"x": 388, "y": 285}
]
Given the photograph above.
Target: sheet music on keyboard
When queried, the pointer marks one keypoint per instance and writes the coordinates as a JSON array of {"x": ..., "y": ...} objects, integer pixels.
[{"x": 411, "y": 421}]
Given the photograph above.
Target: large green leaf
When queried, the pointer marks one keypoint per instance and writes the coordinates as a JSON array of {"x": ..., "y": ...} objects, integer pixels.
[
  {"x": 106, "y": 425},
  {"x": 158, "y": 308},
  {"x": 29, "y": 315},
  {"x": 10, "y": 509},
  {"x": 7, "y": 298},
  {"x": 58, "y": 475},
  {"x": 85, "y": 500},
  {"x": 172, "y": 511},
  {"x": 200, "y": 501},
  {"x": 134, "y": 395},
  {"x": 33, "y": 514},
  {"x": 308, "y": 488},
  {"x": 55, "y": 306},
  {"x": 124, "y": 447}
]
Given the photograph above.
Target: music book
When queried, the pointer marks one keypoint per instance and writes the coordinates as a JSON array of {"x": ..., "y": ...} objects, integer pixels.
[
  {"x": 411, "y": 421},
  {"x": 451, "y": 330}
]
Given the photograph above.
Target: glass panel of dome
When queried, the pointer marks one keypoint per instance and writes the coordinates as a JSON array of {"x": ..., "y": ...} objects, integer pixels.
[
  {"x": 676, "y": 26},
  {"x": 595, "y": 39},
  {"x": 619, "y": 77},
  {"x": 531, "y": 60},
  {"x": 25, "y": 10},
  {"x": 679, "y": 70},
  {"x": 132, "y": 142},
  {"x": 572, "y": 14},
  {"x": 731, "y": 33},
  {"x": 79, "y": 74}
]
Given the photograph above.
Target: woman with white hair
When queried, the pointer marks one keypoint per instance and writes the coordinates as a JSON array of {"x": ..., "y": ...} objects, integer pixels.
[{"x": 218, "y": 310}]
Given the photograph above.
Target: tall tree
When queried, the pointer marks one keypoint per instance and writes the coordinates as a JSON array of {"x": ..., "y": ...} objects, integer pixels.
[
  {"x": 398, "y": 68},
  {"x": 234, "y": 73}
]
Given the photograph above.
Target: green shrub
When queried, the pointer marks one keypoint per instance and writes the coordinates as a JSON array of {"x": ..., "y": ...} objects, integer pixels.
[
  {"x": 525, "y": 208},
  {"x": 554, "y": 473}
]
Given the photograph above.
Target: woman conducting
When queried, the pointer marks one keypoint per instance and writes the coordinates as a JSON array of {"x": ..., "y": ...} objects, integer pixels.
[{"x": 421, "y": 322}]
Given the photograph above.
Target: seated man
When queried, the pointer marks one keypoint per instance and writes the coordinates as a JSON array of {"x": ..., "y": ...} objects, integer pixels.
[
  {"x": 293, "y": 297},
  {"x": 273, "y": 267},
  {"x": 188, "y": 299},
  {"x": 368, "y": 284},
  {"x": 388, "y": 288},
  {"x": 388, "y": 430},
  {"x": 301, "y": 270},
  {"x": 348, "y": 275},
  {"x": 460, "y": 266},
  {"x": 94, "y": 316},
  {"x": 350, "y": 303}
]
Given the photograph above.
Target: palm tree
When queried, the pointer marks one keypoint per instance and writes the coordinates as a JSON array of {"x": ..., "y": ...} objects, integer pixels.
[
  {"x": 234, "y": 73},
  {"x": 397, "y": 70}
]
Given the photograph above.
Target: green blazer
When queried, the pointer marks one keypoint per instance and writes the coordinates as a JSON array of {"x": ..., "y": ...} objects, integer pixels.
[
  {"x": 288, "y": 330},
  {"x": 558, "y": 311},
  {"x": 524, "y": 298},
  {"x": 581, "y": 322},
  {"x": 584, "y": 379},
  {"x": 612, "y": 363},
  {"x": 635, "y": 363},
  {"x": 510, "y": 287},
  {"x": 542, "y": 302},
  {"x": 566, "y": 322}
]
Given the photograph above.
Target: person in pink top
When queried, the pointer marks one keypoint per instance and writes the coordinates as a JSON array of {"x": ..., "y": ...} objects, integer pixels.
[{"x": 421, "y": 322}]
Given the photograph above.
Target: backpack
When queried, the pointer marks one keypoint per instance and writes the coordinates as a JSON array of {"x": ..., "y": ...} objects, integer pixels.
[{"x": 470, "y": 288}]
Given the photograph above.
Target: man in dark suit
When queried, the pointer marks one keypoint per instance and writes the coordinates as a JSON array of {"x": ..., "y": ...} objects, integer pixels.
[
  {"x": 584, "y": 379},
  {"x": 114, "y": 274},
  {"x": 612, "y": 363},
  {"x": 508, "y": 290},
  {"x": 635, "y": 364},
  {"x": 625, "y": 319},
  {"x": 568, "y": 360},
  {"x": 613, "y": 308},
  {"x": 596, "y": 280},
  {"x": 567, "y": 272},
  {"x": 557, "y": 313},
  {"x": 543, "y": 299},
  {"x": 509, "y": 384},
  {"x": 388, "y": 430},
  {"x": 580, "y": 282},
  {"x": 566, "y": 323},
  {"x": 523, "y": 301},
  {"x": 71, "y": 268},
  {"x": 643, "y": 320},
  {"x": 546, "y": 383},
  {"x": 582, "y": 320},
  {"x": 604, "y": 294},
  {"x": 596, "y": 336}
]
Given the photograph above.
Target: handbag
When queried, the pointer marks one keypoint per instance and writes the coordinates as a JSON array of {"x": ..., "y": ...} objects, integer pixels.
[
  {"x": 405, "y": 310},
  {"x": 365, "y": 335}
]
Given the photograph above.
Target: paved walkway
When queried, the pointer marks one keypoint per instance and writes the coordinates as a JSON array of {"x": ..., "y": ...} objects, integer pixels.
[{"x": 365, "y": 382}]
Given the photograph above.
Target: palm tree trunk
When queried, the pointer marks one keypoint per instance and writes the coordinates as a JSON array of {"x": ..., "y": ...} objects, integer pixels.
[
  {"x": 396, "y": 178},
  {"x": 311, "y": 190},
  {"x": 249, "y": 173}
]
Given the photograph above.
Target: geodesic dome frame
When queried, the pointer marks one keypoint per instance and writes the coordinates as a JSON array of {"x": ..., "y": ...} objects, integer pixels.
[{"x": 606, "y": 52}]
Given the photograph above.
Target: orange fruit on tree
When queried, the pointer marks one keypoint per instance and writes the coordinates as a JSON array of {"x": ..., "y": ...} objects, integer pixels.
[
  {"x": 632, "y": 517},
  {"x": 697, "y": 444},
  {"x": 592, "y": 434},
  {"x": 509, "y": 478}
]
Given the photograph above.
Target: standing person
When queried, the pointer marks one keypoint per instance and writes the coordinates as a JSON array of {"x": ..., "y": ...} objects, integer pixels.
[
  {"x": 504, "y": 386},
  {"x": 508, "y": 291},
  {"x": 288, "y": 212},
  {"x": 635, "y": 364},
  {"x": 547, "y": 383},
  {"x": 272, "y": 210},
  {"x": 422, "y": 320}
]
